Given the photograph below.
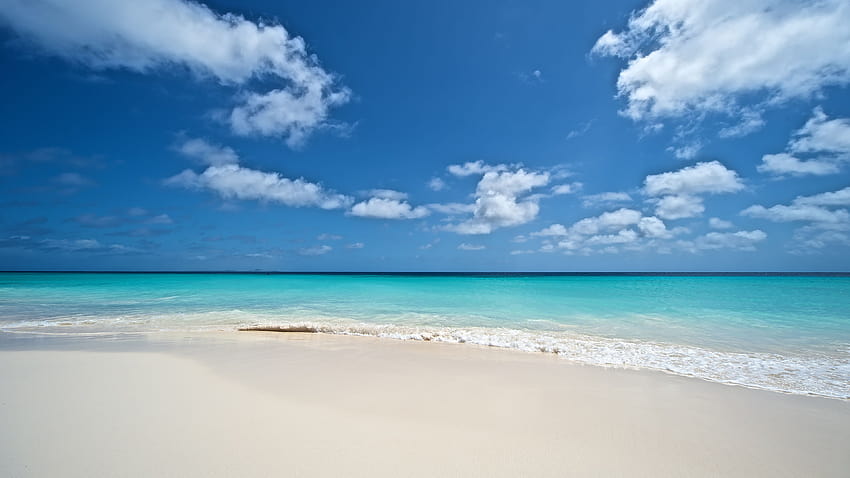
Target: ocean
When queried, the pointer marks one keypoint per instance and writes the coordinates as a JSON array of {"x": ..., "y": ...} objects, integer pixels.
[{"x": 788, "y": 333}]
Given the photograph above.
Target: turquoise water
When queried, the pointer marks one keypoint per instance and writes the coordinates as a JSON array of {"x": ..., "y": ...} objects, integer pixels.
[{"x": 787, "y": 333}]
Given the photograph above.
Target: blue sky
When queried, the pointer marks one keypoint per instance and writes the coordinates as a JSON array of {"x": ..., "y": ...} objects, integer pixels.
[{"x": 425, "y": 136}]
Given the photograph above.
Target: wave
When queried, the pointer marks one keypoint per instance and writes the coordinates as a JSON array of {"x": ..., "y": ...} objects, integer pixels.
[
  {"x": 810, "y": 374},
  {"x": 804, "y": 372}
]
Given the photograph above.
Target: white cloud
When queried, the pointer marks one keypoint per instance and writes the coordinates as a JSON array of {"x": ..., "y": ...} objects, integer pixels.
[
  {"x": 681, "y": 189},
  {"x": 685, "y": 56},
  {"x": 500, "y": 203},
  {"x": 824, "y": 214},
  {"x": 474, "y": 168},
  {"x": 431, "y": 244},
  {"x": 750, "y": 121},
  {"x": 833, "y": 198},
  {"x": 231, "y": 181},
  {"x": 452, "y": 208},
  {"x": 809, "y": 241},
  {"x": 355, "y": 245},
  {"x": 289, "y": 113},
  {"x": 383, "y": 208},
  {"x": 624, "y": 236},
  {"x": 717, "y": 223},
  {"x": 315, "y": 251},
  {"x": 144, "y": 36},
  {"x": 784, "y": 163},
  {"x": 653, "y": 227},
  {"x": 207, "y": 153},
  {"x": 625, "y": 227},
  {"x": 799, "y": 212},
  {"x": 607, "y": 221},
  {"x": 607, "y": 198},
  {"x": 822, "y": 135},
  {"x": 470, "y": 247},
  {"x": 741, "y": 240},
  {"x": 387, "y": 194},
  {"x": 553, "y": 230},
  {"x": 826, "y": 142},
  {"x": 817, "y": 210},
  {"x": 686, "y": 151},
  {"x": 679, "y": 207},
  {"x": 437, "y": 184},
  {"x": 707, "y": 177},
  {"x": 570, "y": 188}
]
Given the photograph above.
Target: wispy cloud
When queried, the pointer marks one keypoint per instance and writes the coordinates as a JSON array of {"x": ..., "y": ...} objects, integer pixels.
[{"x": 145, "y": 36}]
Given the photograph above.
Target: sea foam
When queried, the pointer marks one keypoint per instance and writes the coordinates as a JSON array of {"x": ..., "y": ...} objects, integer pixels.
[
  {"x": 807, "y": 373},
  {"x": 821, "y": 374}
]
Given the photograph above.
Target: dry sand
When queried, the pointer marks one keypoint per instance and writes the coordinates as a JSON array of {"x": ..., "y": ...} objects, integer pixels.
[{"x": 266, "y": 404}]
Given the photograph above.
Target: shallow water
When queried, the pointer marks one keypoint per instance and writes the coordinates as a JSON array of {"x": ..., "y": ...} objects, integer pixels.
[{"x": 787, "y": 333}]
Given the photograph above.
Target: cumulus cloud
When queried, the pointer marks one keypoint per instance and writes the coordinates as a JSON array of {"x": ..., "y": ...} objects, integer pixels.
[
  {"x": 717, "y": 223},
  {"x": 809, "y": 240},
  {"x": 741, "y": 240},
  {"x": 474, "y": 168},
  {"x": 798, "y": 212},
  {"x": 570, "y": 188},
  {"x": 553, "y": 230},
  {"x": 437, "y": 184},
  {"x": 833, "y": 198},
  {"x": 386, "y": 208},
  {"x": 607, "y": 221},
  {"x": 501, "y": 201},
  {"x": 624, "y": 236},
  {"x": 145, "y": 36},
  {"x": 679, "y": 207},
  {"x": 824, "y": 142},
  {"x": 784, "y": 163},
  {"x": 679, "y": 190},
  {"x": 708, "y": 177},
  {"x": 231, "y": 181},
  {"x": 820, "y": 213},
  {"x": 653, "y": 227},
  {"x": 685, "y": 57},
  {"x": 471, "y": 247},
  {"x": 387, "y": 194},
  {"x": 822, "y": 135},
  {"x": 621, "y": 227},
  {"x": 815, "y": 210}
]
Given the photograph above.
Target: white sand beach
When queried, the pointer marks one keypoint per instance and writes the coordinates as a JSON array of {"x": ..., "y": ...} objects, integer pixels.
[{"x": 272, "y": 404}]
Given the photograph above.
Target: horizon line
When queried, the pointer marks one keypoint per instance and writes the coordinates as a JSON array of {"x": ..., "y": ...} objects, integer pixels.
[{"x": 443, "y": 273}]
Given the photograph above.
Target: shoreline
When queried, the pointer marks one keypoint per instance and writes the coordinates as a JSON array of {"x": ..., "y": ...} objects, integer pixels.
[
  {"x": 272, "y": 403},
  {"x": 752, "y": 370}
]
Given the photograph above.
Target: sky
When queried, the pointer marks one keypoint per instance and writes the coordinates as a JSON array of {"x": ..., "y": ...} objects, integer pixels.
[{"x": 664, "y": 135}]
